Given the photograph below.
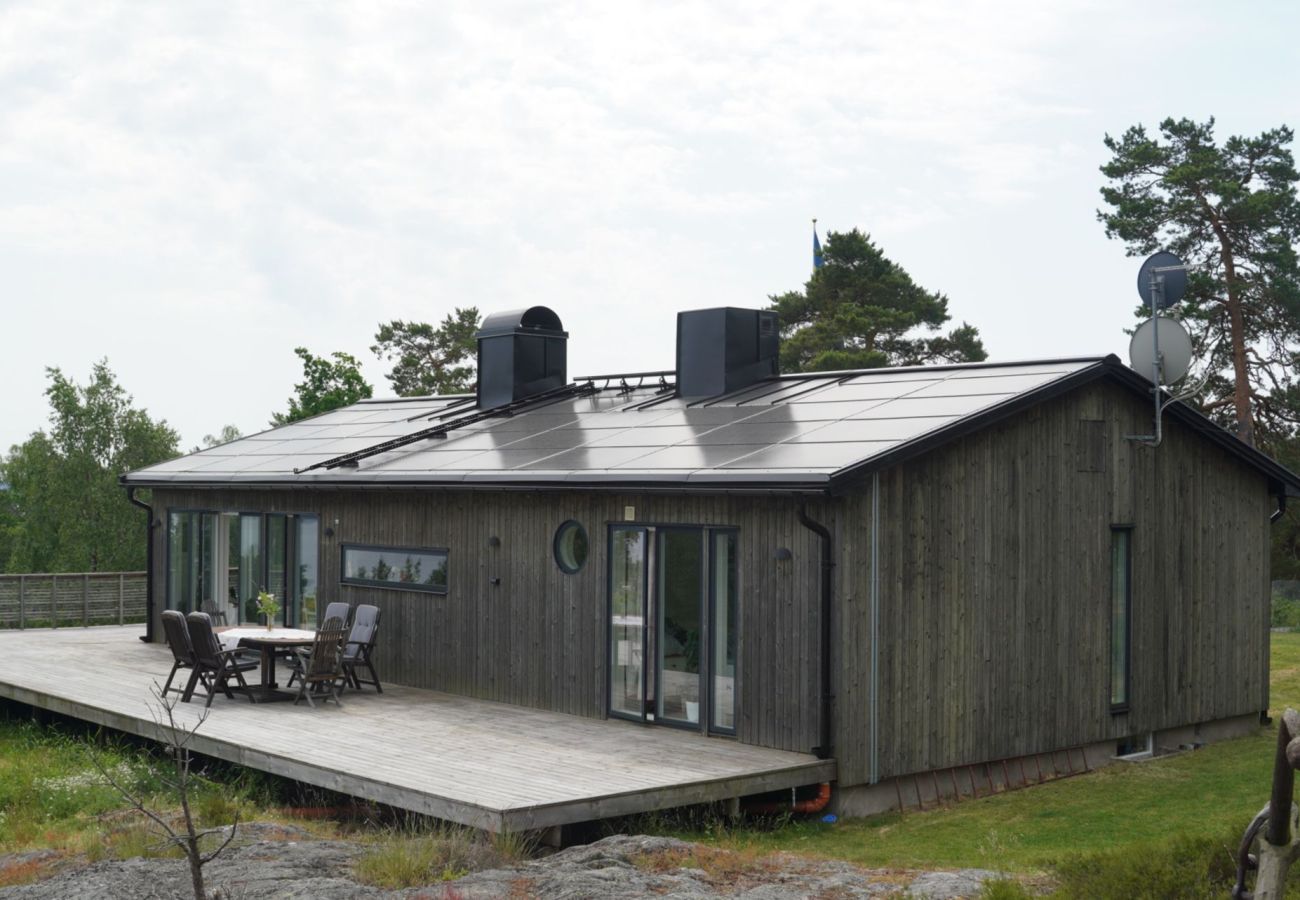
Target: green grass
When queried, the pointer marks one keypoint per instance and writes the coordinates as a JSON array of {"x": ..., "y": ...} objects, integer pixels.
[
  {"x": 52, "y": 796},
  {"x": 405, "y": 858},
  {"x": 1203, "y": 795}
]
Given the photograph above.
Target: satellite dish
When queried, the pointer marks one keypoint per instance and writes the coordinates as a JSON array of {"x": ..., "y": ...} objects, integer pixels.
[
  {"x": 1175, "y": 348},
  {"x": 1175, "y": 282}
]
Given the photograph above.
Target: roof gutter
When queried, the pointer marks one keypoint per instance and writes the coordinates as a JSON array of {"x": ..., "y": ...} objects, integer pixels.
[
  {"x": 824, "y": 749},
  {"x": 147, "y": 637}
]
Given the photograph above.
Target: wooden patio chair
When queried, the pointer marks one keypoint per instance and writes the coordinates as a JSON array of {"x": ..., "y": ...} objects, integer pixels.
[
  {"x": 213, "y": 665},
  {"x": 178, "y": 639},
  {"x": 360, "y": 643},
  {"x": 321, "y": 667},
  {"x": 337, "y": 609}
]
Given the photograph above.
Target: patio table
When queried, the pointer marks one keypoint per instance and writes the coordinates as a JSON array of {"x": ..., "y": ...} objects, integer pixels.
[{"x": 267, "y": 641}]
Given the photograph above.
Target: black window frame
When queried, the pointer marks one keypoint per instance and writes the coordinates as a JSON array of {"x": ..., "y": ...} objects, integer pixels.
[
  {"x": 560, "y": 531},
  {"x": 1123, "y": 706},
  {"x": 395, "y": 585}
]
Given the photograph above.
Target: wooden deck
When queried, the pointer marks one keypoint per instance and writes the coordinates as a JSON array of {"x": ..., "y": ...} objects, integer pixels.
[{"x": 484, "y": 764}]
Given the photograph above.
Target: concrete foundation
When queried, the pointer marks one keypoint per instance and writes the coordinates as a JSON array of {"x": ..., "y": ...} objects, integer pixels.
[{"x": 923, "y": 790}]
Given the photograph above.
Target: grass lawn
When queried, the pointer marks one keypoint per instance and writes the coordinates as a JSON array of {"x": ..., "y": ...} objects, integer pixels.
[{"x": 1209, "y": 793}]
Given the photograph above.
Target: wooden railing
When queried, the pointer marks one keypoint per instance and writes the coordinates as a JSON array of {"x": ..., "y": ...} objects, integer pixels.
[{"x": 72, "y": 598}]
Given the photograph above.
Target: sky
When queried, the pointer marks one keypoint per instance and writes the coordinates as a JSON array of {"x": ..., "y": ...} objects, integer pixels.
[{"x": 192, "y": 190}]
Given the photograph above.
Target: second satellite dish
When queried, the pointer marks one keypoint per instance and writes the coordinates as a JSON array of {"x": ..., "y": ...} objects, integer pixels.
[
  {"x": 1175, "y": 348},
  {"x": 1173, "y": 282}
]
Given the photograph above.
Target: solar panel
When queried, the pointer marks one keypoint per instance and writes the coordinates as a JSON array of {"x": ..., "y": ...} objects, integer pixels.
[{"x": 798, "y": 429}]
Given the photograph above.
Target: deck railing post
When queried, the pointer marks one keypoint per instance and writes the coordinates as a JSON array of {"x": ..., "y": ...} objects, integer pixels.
[
  {"x": 54, "y": 600},
  {"x": 22, "y": 601},
  {"x": 121, "y": 592},
  {"x": 85, "y": 600}
]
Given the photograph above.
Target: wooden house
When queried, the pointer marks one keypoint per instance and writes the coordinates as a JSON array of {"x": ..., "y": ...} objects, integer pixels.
[{"x": 914, "y": 571}]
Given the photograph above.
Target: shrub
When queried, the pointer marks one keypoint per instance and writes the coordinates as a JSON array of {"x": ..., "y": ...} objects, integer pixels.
[
  {"x": 405, "y": 860},
  {"x": 1286, "y": 611},
  {"x": 1004, "y": 889},
  {"x": 1183, "y": 868}
]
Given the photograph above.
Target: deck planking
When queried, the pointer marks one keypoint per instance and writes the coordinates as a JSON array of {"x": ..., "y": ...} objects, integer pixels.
[{"x": 475, "y": 762}]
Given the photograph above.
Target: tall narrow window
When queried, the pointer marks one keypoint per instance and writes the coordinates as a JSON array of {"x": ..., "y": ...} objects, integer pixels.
[{"x": 1121, "y": 616}]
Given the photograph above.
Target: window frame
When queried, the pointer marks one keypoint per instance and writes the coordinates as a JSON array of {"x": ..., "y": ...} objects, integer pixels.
[
  {"x": 560, "y": 531},
  {"x": 1124, "y": 705},
  {"x": 395, "y": 585}
]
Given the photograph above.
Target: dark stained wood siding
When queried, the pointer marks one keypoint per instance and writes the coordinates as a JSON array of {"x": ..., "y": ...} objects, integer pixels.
[
  {"x": 538, "y": 638},
  {"x": 995, "y": 589}
]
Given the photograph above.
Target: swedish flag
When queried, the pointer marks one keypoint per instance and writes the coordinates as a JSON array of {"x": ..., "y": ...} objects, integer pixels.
[{"x": 817, "y": 249}]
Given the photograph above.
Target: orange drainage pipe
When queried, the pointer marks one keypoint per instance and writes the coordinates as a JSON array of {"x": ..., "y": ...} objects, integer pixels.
[{"x": 801, "y": 807}]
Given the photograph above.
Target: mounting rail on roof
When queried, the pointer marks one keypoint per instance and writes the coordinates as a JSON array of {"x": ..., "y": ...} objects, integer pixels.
[
  {"x": 440, "y": 430},
  {"x": 625, "y": 379}
]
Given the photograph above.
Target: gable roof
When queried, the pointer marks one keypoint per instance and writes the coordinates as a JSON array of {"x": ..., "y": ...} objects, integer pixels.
[{"x": 809, "y": 433}]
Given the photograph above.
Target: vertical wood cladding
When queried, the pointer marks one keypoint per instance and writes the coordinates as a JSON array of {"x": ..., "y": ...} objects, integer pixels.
[
  {"x": 538, "y": 637},
  {"x": 995, "y": 588}
]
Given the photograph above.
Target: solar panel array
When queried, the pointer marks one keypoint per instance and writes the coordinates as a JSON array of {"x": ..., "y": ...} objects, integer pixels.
[{"x": 792, "y": 429}]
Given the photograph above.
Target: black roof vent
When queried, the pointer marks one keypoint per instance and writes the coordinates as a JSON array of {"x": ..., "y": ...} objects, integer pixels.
[
  {"x": 725, "y": 349},
  {"x": 521, "y": 352}
]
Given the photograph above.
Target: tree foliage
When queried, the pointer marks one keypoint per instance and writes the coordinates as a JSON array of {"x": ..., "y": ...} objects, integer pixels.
[
  {"x": 68, "y": 512},
  {"x": 326, "y": 384},
  {"x": 1230, "y": 211},
  {"x": 860, "y": 310},
  {"x": 428, "y": 360}
]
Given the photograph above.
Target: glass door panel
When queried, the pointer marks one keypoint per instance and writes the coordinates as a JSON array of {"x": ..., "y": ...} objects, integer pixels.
[
  {"x": 277, "y": 549},
  {"x": 628, "y": 616},
  {"x": 307, "y": 545},
  {"x": 249, "y": 582},
  {"x": 722, "y": 656},
  {"x": 680, "y": 593}
]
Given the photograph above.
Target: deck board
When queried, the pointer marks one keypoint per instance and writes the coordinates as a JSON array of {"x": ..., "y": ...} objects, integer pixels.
[{"x": 476, "y": 762}]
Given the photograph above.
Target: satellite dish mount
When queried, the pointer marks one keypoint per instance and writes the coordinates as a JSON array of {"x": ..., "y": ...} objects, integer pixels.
[{"x": 1162, "y": 280}]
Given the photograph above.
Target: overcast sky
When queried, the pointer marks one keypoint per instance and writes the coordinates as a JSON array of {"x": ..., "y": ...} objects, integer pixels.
[{"x": 192, "y": 190}]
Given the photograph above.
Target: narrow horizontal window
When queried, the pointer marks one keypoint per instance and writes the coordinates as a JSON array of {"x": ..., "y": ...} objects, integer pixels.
[{"x": 400, "y": 568}]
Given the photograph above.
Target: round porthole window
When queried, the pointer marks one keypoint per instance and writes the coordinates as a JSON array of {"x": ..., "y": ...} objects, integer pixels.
[{"x": 571, "y": 546}]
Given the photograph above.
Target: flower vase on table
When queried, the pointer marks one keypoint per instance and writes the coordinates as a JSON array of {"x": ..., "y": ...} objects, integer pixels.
[{"x": 267, "y": 606}]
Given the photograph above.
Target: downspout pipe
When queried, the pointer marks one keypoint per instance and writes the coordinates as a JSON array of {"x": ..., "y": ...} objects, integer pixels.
[
  {"x": 147, "y": 637},
  {"x": 824, "y": 749},
  {"x": 1281, "y": 508}
]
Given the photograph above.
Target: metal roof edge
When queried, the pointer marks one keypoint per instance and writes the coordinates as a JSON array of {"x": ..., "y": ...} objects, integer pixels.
[
  {"x": 1110, "y": 367},
  {"x": 978, "y": 421},
  {"x": 740, "y": 482},
  {"x": 1199, "y": 422}
]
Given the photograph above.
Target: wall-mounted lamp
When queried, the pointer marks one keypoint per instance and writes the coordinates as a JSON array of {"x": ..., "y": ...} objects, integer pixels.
[
  {"x": 329, "y": 532},
  {"x": 783, "y": 554},
  {"x": 494, "y": 542}
]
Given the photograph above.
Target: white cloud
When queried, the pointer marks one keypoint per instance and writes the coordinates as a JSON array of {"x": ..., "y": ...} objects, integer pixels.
[{"x": 195, "y": 189}]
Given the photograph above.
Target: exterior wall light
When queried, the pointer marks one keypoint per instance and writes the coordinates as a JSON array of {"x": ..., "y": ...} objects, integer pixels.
[{"x": 783, "y": 554}]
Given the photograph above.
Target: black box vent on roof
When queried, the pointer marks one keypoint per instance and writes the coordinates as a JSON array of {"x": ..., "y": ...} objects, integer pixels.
[
  {"x": 725, "y": 349},
  {"x": 521, "y": 352}
]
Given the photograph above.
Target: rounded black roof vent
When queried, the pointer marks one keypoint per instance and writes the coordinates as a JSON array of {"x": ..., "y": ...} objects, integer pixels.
[{"x": 533, "y": 320}]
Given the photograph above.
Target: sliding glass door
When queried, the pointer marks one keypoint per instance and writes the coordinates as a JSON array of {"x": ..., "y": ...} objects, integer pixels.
[
  {"x": 217, "y": 562},
  {"x": 673, "y": 625},
  {"x": 628, "y": 552},
  {"x": 679, "y": 577}
]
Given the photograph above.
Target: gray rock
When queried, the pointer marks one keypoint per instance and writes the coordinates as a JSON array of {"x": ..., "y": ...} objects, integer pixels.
[
  {"x": 263, "y": 864},
  {"x": 284, "y": 870},
  {"x": 950, "y": 885}
]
